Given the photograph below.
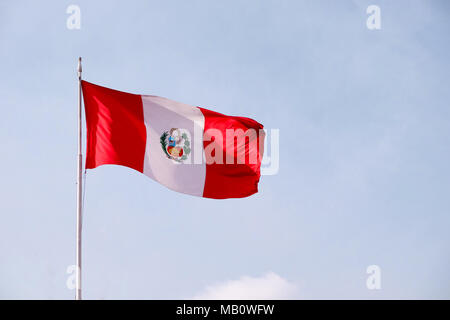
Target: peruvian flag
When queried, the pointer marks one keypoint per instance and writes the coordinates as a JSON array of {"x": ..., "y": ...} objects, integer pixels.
[{"x": 185, "y": 148}]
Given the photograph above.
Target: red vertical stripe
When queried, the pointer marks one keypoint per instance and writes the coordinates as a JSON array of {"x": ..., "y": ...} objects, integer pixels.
[
  {"x": 116, "y": 132},
  {"x": 232, "y": 180}
]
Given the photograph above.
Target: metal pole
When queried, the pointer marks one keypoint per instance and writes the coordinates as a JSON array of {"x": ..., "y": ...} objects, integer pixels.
[{"x": 79, "y": 190}]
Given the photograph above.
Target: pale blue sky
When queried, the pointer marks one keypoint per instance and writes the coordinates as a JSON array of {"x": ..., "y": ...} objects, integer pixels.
[{"x": 364, "y": 153}]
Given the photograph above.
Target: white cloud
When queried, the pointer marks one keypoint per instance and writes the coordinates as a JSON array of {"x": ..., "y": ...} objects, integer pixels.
[{"x": 268, "y": 286}]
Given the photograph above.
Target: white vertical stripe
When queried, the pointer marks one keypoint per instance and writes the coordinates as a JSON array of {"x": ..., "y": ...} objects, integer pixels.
[{"x": 161, "y": 115}]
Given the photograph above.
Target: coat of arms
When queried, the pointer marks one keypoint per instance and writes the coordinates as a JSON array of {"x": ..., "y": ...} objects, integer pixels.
[{"x": 176, "y": 144}]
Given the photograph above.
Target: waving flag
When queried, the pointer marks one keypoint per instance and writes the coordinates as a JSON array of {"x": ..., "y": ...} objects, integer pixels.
[{"x": 187, "y": 149}]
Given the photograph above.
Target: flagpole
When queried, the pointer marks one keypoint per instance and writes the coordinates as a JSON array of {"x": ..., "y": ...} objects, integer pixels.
[{"x": 79, "y": 190}]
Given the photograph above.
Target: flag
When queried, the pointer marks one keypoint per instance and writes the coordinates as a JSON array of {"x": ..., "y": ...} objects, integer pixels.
[{"x": 185, "y": 148}]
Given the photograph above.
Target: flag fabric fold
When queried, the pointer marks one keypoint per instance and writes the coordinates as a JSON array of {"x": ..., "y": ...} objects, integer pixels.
[{"x": 185, "y": 148}]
